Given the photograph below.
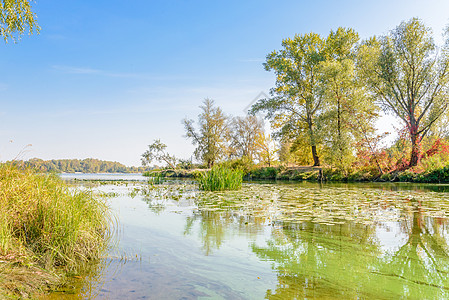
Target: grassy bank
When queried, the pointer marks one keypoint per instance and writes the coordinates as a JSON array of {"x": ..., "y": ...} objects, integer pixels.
[
  {"x": 440, "y": 175},
  {"x": 47, "y": 231},
  {"x": 435, "y": 175}
]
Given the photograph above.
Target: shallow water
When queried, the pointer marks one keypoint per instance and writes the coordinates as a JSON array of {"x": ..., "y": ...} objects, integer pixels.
[
  {"x": 103, "y": 176},
  {"x": 273, "y": 241}
]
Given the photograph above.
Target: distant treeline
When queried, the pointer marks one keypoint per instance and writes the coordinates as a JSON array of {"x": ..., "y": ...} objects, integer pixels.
[{"x": 88, "y": 165}]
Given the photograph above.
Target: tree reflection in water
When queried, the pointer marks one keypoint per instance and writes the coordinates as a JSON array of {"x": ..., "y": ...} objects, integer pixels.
[
  {"x": 216, "y": 226},
  {"x": 330, "y": 245},
  {"x": 346, "y": 261}
]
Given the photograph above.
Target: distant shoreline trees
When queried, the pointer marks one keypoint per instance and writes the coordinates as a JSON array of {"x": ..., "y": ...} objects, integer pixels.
[{"x": 88, "y": 165}]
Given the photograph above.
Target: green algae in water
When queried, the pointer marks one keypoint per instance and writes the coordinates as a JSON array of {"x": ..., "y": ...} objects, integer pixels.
[
  {"x": 295, "y": 241},
  {"x": 333, "y": 235}
]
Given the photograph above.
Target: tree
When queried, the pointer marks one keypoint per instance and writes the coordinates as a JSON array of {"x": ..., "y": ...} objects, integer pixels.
[
  {"x": 16, "y": 17},
  {"x": 244, "y": 132},
  {"x": 345, "y": 99},
  {"x": 266, "y": 149},
  {"x": 294, "y": 152},
  {"x": 294, "y": 105},
  {"x": 211, "y": 138},
  {"x": 156, "y": 151},
  {"x": 409, "y": 77},
  {"x": 284, "y": 153}
]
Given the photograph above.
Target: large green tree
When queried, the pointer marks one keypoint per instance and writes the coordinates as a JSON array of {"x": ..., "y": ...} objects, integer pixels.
[
  {"x": 212, "y": 135},
  {"x": 409, "y": 76},
  {"x": 345, "y": 99},
  {"x": 16, "y": 18},
  {"x": 294, "y": 104}
]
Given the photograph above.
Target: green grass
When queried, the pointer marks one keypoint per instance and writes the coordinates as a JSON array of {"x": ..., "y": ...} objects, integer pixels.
[
  {"x": 156, "y": 178},
  {"x": 220, "y": 178},
  {"x": 46, "y": 225},
  {"x": 265, "y": 173}
]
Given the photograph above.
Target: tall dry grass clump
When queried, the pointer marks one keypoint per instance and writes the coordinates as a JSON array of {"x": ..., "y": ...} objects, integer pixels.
[{"x": 45, "y": 223}]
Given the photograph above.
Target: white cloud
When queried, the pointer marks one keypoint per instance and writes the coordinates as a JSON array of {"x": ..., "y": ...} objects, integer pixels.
[
  {"x": 92, "y": 71},
  {"x": 76, "y": 70}
]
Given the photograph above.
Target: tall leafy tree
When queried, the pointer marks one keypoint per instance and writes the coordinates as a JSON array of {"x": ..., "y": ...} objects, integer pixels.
[
  {"x": 345, "y": 99},
  {"x": 16, "y": 18},
  {"x": 294, "y": 104},
  {"x": 244, "y": 133},
  {"x": 212, "y": 135},
  {"x": 409, "y": 76}
]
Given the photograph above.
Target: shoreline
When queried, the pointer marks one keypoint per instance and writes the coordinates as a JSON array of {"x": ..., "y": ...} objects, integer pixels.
[{"x": 319, "y": 174}]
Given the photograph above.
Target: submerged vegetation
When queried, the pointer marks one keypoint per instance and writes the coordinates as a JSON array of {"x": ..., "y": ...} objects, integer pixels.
[
  {"x": 220, "y": 178},
  {"x": 46, "y": 228},
  {"x": 155, "y": 177}
]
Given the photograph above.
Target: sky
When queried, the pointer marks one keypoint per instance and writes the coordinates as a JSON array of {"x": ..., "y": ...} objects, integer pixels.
[{"x": 104, "y": 79}]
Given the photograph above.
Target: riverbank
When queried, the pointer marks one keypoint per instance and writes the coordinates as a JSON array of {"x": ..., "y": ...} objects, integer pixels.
[
  {"x": 48, "y": 232},
  {"x": 308, "y": 173}
]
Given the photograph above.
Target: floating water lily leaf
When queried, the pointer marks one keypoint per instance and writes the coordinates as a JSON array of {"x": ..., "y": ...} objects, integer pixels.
[{"x": 328, "y": 205}]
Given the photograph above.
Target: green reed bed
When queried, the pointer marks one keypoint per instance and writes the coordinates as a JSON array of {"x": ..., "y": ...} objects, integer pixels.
[
  {"x": 156, "y": 178},
  {"x": 220, "y": 178},
  {"x": 46, "y": 229}
]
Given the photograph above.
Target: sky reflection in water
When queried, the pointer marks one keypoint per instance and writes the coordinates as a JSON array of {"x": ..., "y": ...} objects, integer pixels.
[{"x": 272, "y": 241}]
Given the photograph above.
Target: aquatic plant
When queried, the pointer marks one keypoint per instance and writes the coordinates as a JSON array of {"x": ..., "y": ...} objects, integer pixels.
[
  {"x": 45, "y": 224},
  {"x": 220, "y": 178},
  {"x": 156, "y": 178}
]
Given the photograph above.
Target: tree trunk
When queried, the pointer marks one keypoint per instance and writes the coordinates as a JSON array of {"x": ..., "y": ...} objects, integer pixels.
[
  {"x": 340, "y": 147},
  {"x": 415, "y": 139},
  {"x": 416, "y": 151},
  {"x": 316, "y": 159},
  {"x": 416, "y": 142}
]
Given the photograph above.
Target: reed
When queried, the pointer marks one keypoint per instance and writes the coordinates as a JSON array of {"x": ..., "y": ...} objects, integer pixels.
[
  {"x": 156, "y": 178},
  {"x": 46, "y": 224},
  {"x": 220, "y": 178}
]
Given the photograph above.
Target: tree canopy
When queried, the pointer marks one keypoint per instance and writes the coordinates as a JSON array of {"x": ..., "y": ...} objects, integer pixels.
[
  {"x": 212, "y": 135},
  {"x": 156, "y": 151},
  {"x": 16, "y": 17},
  {"x": 294, "y": 104},
  {"x": 244, "y": 134},
  {"x": 345, "y": 99},
  {"x": 409, "y": 76}
]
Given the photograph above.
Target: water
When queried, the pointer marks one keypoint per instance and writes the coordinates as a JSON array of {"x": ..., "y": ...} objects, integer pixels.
[
  {"x": 274, "y": 241},
  {"x": 103, "y": 176}
]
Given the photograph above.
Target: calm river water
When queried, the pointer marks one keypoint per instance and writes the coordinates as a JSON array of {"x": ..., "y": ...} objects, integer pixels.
[{"x": 270, "y": 241}]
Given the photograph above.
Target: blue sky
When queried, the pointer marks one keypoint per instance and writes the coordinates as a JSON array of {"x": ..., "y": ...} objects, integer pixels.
[{"x": 104, "y": 79}]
